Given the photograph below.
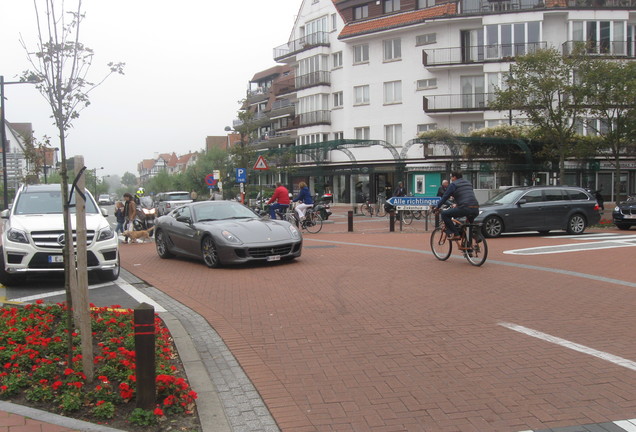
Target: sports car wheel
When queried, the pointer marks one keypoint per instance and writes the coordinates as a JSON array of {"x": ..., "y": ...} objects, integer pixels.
[
  {"x": 492, "y": 227},
  {"x": 576, "y": 224},
  {"x": 209, "y": 253},
  {"x": 162, "y": 246}
]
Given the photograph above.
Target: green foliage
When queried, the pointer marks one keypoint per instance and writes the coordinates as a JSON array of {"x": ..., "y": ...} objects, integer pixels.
[
  {"x": 141, "y": 417},
  {"x": 505, "y": 131},
  {"x": 70, "y": 401},
  {"x": 129, "y": 180},
  {"x": 104, "y": 410},
  {"x": 438, "y": 135}
]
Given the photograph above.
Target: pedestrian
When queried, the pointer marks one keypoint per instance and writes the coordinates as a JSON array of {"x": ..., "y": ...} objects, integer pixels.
[
  {"x": 130, "y": 212},
  {"x": 279, "y": 200},
  {"x": 120, "y": 217},
  {"x": 399, "y": 191},
  {"x": 442, "y": 189}
]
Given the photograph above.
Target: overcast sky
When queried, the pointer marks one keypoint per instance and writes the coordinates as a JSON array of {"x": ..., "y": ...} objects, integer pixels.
[{"x": 188, "y": 63}]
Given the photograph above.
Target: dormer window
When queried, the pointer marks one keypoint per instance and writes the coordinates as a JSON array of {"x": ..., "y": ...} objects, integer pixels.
[
  {"x": 360, "y": 12},
  {"x": 391, "y": 6}
]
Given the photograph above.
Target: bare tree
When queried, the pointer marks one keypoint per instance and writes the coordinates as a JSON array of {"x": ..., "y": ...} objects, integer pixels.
[{"x": 60, "y": 65}]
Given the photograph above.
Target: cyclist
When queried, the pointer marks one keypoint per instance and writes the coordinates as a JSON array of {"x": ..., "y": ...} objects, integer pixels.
[
  {"x": 466, "y": 203},
  {"x": 281, "y": 196},
  {"x": 304, "y": 199}
]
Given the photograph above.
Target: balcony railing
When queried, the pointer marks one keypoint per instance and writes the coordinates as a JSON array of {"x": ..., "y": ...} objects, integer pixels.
[
  {"x": 457, "y": 102},
  {"x": 602, "y": 48},
  {"x": 315, "y": 118},
  {"x": 304, "y": 43},
  {"x": 495, "y": 6},
  {"x": 478, "y": 53},
  {"x": 601, "y": 3},
  {"x": 313, "y": 79},
  {"x": 285, "y": 85}
]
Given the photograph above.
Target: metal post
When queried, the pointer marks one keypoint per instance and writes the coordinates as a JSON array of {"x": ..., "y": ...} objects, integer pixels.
[
  {"x": 350, "y": 220},
  {"x": 3, "y": 137},
  {"x": 144, "y": 316},
  {"x": 392, "y": 221}
]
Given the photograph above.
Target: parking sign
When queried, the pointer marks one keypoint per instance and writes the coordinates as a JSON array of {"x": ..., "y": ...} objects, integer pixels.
[{"x": 241, "y": 175}]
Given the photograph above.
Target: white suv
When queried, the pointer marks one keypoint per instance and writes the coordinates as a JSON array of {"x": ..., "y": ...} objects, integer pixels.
[{"x": 33, "y": 236}]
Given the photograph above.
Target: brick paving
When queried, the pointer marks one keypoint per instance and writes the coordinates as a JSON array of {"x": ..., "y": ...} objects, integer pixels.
[{"x": 367, "y": 331}]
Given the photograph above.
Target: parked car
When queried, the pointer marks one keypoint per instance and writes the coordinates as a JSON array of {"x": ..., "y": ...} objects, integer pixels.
[
  {"x": 33, "y": 236},
  {"x": 165, "y": 202},
  {"x": 539, "y": 208},
  {"x": 225, "y": 232},
  {"x": 104, "y": 199},
  {"x": 624, "y": 213}
]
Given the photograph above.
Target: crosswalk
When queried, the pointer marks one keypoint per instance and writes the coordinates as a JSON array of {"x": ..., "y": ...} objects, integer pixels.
[{"x": 587, "y": 242}]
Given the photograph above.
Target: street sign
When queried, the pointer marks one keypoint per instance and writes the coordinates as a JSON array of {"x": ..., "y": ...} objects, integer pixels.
[
  {"x": 413, "y": 201},
  {"x": 413, "y": 207},
  {"x": 210, "y": 180},
  {"x": 261, "y": 164},
  {"x": 241, "y": 175}
]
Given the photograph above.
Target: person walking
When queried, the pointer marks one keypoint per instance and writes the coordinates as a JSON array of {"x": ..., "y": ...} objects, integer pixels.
[
  {"x": 466, "y": 203},
  {"x": 120, "y": 217},
  {"x": 304, "y": 200},
  {"x": 279, "y": 200},
  {"x": 130, "y": 212},
  {"x": 399, "y": 191},
  {"x": 442, "y": 189}
]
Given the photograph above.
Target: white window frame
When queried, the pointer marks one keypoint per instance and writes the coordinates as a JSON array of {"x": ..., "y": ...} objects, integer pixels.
[
  {"x": 336, "y": 59},
  {"x": 392, "y": 92},
  {"x": 425, "y": 84},
  {"x": 338, "y": 99},
  {"x": 426, "y": 39},
  {"x": 361, "y": 54},
  {"x": 392, "y": 49},
  {"x": 425, "y": 127},
  {"x": 363, "y": 132},
  {"x": 362, "y": 95},
  {"x": 393, "y": 134},
  {"x": 360, "y": 12},
  {"x": 390, "y": 6}
]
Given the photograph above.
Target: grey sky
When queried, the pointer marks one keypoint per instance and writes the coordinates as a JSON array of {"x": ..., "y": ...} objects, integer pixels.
[{"x": 188, "y": 63}]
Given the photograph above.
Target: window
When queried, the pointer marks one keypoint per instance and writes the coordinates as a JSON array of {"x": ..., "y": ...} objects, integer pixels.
[
  {"x": 426, "y": 127},
  {"x": 509, "y": 40},
  {"x": 361, "y": 94},
  {"x": 467, "y": 127},
  {"x": 337, "y": 59},
  {"x": 338, "y": 135},
  {"x": 393, "y": 92},
  {"x": 334, "y": 22},
  {"x": 601, "y": 37},
  {"x": 392, "y": 49},
  {"x": 391, "y": 6},
  {"x": 427, "y": 83},
  {"x": 360, "y": 53},
  {"x": 425, "y": 39},
  {"x": 423, "y": 4},
  {"x": 362, "y": 133},
  {"x": 337, "y": 100},
  {"x": 360, "y": 12},
  {"x": 472, "y": 90},
  {"x": 393, "y": 134}
]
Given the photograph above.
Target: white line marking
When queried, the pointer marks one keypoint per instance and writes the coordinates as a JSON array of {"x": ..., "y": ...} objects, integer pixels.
[
  {"x": 53, "y": 294},
  {"x": 138, "y": 295},
  {"x": 628, "y": 425},
  {"x": 620, "y": 361},
  {"x": 574, "y": 247}
]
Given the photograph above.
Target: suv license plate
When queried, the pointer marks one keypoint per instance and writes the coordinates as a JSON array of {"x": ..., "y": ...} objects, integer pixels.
[
  {"x": 273, "y": 258},
  {"x": 56, "y": 258}
]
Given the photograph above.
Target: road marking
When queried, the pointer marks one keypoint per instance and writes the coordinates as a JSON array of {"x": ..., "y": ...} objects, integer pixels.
[
  {"x": 620, "y": 361},
  {"x": 604, "y": 242},
  {"x": 52, "y": 294},
  {"x": 628, "y": 425},
  {"x": 138, "y": 295}
]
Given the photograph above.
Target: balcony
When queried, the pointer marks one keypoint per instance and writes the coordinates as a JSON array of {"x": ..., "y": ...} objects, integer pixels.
[
  {"x": 275, "y": 138},
  {"x": 258, "y": 95},
  {"x": 281, "y": 108},
  {"x": 596, "y": 4},
  {"x": 602, "y": 48},
  {"x": 285, "y": 85},
  {"x": 497, "y": 6},
  {"x": 456, "y": 102},
  {"x": 312, "y": 118},
  {"x": 313, "y": 79},
  {"x": 478, "y": 53},
  {"x": 299, "y": 45}
]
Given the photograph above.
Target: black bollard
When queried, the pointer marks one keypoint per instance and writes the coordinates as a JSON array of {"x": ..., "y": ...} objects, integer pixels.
[
  {"x": 391, "y": 221},
  {"x": 144, "y": 326},
  {"x": 350, "y": 220}
]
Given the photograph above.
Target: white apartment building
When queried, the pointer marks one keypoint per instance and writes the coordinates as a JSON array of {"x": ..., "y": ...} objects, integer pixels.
[{"x": 369, "y": 76}]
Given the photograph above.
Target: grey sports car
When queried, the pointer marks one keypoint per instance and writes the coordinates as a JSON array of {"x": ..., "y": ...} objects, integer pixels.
[{"x": 225, "y": 232}]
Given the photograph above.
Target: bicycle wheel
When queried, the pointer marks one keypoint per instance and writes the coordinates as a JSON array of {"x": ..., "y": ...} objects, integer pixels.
[
  {"x": 364, "y": 209},
  {"x": 417, "y": 214},
  {"x": 440, "y": 244},
  {"x": 407, "y": 217},
  {"x": 477, "y": 249},
  {"x": 291, "y": 218},
  {"x": 312, "y": 222},
  {"x": 380, "y": 211}
]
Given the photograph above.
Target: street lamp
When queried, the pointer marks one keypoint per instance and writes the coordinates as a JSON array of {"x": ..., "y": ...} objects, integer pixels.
[
  {"x": 3, "y": 137},
  {"x": 95, "y": 178}
]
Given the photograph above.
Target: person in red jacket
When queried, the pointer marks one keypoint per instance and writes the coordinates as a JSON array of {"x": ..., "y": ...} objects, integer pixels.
[{"x": 281, "y": 199}]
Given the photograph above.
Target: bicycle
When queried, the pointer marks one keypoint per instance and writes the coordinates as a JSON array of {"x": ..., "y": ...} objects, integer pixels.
[
  {"x": 312, "y": 222},
  {"x": 471, "y": 242},
  {"x": 379, "y": 207},
  {"x": 366, "y": 208}
]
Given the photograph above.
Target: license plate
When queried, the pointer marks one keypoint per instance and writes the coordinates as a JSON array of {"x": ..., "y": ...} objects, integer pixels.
[
  {"x": 56, "y": 258},
  {"x": 273, "y": 258}
]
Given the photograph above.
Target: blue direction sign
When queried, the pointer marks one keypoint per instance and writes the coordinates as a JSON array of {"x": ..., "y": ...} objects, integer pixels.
[{"x": 413, "y": 201}]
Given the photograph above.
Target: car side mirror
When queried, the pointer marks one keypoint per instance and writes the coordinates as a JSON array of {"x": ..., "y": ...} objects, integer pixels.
[
  {"x": 4, "y": 214},
  {"x": 184, "y": 219},
  {"x": 104, "y": 211},
  {"x": 521, "y": 201}
]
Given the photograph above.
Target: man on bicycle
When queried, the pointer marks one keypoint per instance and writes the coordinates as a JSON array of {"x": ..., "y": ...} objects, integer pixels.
[
  {"x": 281, "y": 197},
  {"x": 466, "y": 203}
]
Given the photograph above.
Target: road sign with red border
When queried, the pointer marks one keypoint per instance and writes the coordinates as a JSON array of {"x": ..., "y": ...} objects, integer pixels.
[
  {"x": 210, "y": 180},
  {"x": 261, "y": 164}
]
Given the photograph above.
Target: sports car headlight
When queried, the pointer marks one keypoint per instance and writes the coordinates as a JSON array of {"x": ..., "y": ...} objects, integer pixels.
[
  {"x": 105, "y": 234},
  {"x": 230, "y": 237},
  {"x": 18, "y": 236},
  {"x": 294, "y": 232}
]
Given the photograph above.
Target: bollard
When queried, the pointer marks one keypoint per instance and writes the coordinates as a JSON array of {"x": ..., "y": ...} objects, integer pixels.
[
  {"x": 392, "y": 221},
  {"x": 144, "y": 326},
  {"x": 350, "y": 220}
]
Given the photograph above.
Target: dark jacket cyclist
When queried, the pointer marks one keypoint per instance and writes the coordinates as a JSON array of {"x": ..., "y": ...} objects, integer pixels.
[{"x": 466, "y": 203}]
